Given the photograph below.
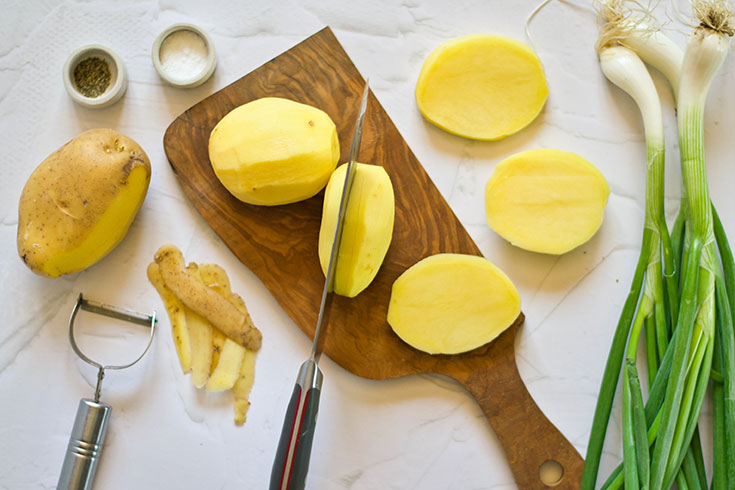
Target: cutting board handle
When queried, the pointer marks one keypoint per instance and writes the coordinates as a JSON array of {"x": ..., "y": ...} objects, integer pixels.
[{"x": 527, "y": 436}]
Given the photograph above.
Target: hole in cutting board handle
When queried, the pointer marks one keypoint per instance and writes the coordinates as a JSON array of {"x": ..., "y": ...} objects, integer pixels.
[{"x": 551, "y": 473}]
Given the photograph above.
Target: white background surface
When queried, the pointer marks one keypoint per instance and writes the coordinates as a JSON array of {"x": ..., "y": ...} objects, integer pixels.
[{"x": 420, "y": 432}]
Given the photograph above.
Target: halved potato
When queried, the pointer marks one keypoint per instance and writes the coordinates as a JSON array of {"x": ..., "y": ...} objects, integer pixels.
[
  {"x": 274, "y": 151},
  {"x": 368, "y": 227},
  {"x": 452, "y": 303},
  {"x": 481, "y": 86},
  {"x": 546, "y": 200}
]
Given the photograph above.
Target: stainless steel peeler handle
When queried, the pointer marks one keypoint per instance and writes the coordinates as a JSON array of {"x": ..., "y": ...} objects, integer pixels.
[{"x": 85, "y": 446}]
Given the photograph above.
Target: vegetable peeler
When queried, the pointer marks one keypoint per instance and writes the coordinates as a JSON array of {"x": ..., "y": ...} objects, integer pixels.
[{"x": 90, "y": 425}]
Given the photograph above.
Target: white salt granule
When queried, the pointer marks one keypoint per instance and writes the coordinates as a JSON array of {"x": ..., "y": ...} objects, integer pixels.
[{"x": 183, "y": 55}]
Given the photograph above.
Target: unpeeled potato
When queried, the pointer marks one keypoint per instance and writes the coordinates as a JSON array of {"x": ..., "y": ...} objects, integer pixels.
[{"x": 80, "y": 201}]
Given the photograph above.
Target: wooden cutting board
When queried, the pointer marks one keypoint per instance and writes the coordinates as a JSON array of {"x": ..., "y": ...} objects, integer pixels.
[{"x": 279, "y": 244}]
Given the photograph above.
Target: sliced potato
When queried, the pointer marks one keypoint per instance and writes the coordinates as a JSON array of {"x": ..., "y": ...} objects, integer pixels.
[
  {"x": 176, "y": 316},
  {"x": 546, "y": 200},
  {"x": 481, "y": 86},
  {"x": 368, "y": 227},
  {"x": 452, "y": 303}
]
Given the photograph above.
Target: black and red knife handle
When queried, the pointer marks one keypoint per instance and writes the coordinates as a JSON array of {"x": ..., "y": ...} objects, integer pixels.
[{"x": 294, "y": 447}]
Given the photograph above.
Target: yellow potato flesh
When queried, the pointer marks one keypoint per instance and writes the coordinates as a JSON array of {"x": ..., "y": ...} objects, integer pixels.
[
  {"x": 452, "y": 303},
  {"x": 546, "y": 200},
  {"x": 481, "y": 86},
  {"x": 79, "y": 203},
  {"x": 274, "y": 151},
  {"x": 368, "y": 227}
]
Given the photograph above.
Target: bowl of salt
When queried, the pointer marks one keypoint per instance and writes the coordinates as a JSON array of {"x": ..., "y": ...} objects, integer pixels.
[{"x": 184, "y": 56}]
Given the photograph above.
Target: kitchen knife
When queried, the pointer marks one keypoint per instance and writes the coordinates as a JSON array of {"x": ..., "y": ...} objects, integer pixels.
[{"x": 294, "y": 447}]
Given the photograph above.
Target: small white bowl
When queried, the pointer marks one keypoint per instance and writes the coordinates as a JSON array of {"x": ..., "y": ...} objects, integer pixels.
[
  {"x": 118, "y": 78},
  {"x": 194, "y": 80}
]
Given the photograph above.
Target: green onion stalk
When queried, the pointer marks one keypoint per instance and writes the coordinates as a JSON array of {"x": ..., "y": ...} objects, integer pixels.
[
  {"x": 724, "y": 355},
  {"x": 650, "y": 301},
  {"x": 694, "y": 340},
  {"x": 680, "y": 333}
]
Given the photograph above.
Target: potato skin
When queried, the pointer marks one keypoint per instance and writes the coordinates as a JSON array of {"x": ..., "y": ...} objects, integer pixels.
[{"x": 78, "y": 204}]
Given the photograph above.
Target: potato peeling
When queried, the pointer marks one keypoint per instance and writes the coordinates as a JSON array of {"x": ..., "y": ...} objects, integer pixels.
[
  {"x": 204, "y": 301},
  {"x": 215, "y": 338}
]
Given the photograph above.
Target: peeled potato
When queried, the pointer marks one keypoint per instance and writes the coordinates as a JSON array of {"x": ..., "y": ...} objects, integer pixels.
[
  {"x": 80, "y": 201},
  {"x": 452, "y": 303},
  {"x": 481, "y": 86},
  {"x": 368, "y": 227},
  {"x": 548, "y": 201},
  {"x": 274, "y": 151}
]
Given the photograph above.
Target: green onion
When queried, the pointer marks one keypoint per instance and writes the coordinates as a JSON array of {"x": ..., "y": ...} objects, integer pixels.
[
  {"x": 646, "y": 298},
  {"x": 682, "y": 293},
  {"x": 705, "y": 53}
]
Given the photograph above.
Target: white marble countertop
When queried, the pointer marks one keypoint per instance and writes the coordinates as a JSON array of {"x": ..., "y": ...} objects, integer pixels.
[{"x": 419, "y": 432}]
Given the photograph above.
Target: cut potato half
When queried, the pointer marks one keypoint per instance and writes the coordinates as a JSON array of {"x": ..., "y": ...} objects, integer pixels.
[
  {"x": 546, "y": 200},
  {"x": 367, "y": 231},
  {"x": 482, "y": 86},
  {"x": 452, "y": 303}
]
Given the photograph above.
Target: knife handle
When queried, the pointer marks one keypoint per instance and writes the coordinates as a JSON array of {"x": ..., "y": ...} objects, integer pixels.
[
  {"x": 85, "y": 446},
  {"x": 294, "y": 447}
]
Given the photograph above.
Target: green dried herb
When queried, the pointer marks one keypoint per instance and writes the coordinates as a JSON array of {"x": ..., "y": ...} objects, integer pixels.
[{"x": 92, "y": 77}]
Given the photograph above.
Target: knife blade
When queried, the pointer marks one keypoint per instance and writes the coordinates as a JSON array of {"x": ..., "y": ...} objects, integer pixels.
[{"x": 293, "y": 454}]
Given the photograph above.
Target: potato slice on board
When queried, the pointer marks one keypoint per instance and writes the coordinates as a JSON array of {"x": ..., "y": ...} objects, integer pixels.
[{"x": 431, "y": 317}]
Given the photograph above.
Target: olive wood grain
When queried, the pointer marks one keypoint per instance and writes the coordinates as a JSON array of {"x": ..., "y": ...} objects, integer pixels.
[{"x": 279, "y": 245}]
